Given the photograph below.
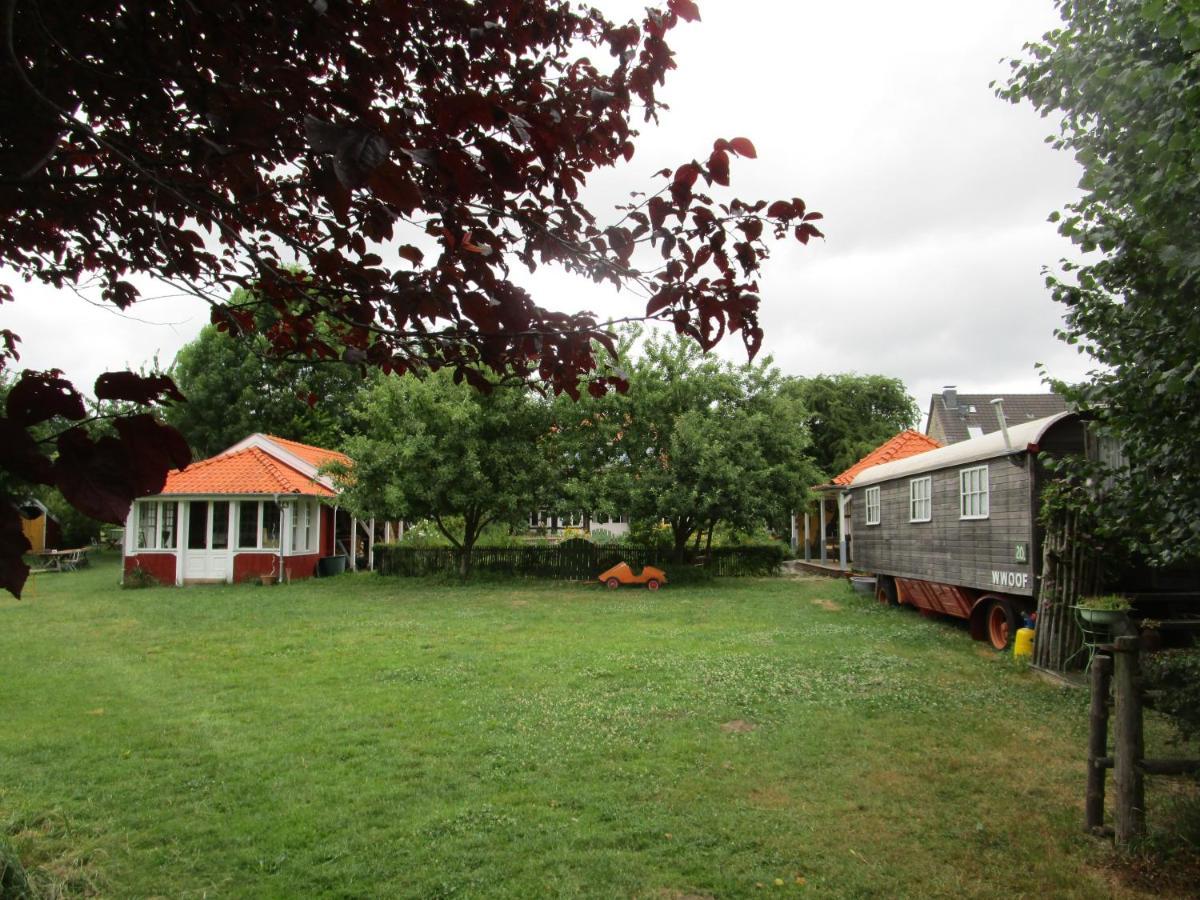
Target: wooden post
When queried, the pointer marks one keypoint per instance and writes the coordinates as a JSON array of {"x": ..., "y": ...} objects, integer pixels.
[
  {"x": 1128, "y": 788},
  {"x": 841, "y": 513},
  {"x": 807, "y": 538},
  {"x": 821, "y": 528},
  {"x": 1097, "y": 743},
  {"x": 353, "y": 543},
  {"x": 371, "y": 545}
]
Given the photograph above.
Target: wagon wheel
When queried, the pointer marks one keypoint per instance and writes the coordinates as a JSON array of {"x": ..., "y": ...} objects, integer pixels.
[
  {"x": 652, "y": 584},
  {"x": 613, "y": 584},
  {"x": 1002, "y": 624}
]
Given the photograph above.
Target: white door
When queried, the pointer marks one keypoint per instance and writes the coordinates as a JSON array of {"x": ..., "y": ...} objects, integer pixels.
[{"x": 207, "y": 555}]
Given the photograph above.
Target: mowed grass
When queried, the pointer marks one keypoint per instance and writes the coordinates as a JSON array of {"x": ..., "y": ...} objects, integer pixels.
[{"x": 372, "y": 737}]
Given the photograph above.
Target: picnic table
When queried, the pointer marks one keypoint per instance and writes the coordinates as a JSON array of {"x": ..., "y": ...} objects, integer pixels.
[{"x": 62, "y": 560}]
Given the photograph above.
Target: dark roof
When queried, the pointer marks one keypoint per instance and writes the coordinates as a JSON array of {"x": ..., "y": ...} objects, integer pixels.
[{"x": 976, "y": 411}]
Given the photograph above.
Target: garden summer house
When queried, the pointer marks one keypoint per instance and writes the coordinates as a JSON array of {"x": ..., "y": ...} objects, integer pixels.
[
  {"x": 262, "y": 507},
  {"x": 828, "y": 527}
]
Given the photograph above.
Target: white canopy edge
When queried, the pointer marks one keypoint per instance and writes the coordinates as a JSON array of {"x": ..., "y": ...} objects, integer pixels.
[{"x": 990, "y": 446}]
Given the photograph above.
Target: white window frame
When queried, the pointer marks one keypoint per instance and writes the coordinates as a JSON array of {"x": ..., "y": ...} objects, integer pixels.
[
  {"x": 973, "y": 498},
  {"x": 156, "y": 538},
  {"x": 874, "y": 506},
  {"x": 303, "y": 513},
  {"x": 258, "y": 526},
  {"x": 920, "y": 503}
]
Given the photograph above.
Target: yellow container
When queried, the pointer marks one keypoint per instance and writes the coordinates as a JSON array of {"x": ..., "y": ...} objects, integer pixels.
[{"x": 1023, "y": 643}]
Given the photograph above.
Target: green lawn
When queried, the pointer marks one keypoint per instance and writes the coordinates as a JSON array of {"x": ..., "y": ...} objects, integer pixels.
[{"x": 371, "y": 737}]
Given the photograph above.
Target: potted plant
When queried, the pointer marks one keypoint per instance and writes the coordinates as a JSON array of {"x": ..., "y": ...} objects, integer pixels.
[{"x": 1105, "y": 610}]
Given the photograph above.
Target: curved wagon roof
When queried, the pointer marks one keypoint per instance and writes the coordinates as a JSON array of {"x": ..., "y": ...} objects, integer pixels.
[{"x": 1022, "y": 437}]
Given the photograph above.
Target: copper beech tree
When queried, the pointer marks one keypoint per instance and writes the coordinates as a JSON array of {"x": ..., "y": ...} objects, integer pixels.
[{"x": 376, "y": 167}]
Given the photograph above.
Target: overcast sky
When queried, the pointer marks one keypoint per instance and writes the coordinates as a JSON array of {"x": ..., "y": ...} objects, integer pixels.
[{"x": 878, "y": 114}]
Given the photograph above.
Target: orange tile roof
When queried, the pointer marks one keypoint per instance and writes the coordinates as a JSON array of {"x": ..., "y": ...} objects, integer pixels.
[
  {"x": 249, "y": 471},
  {"x": 906, "y": 443},
  {"x": 316, "y": 456}
]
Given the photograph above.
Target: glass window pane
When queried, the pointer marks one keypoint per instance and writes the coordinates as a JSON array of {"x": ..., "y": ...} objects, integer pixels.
[
  {"x": 270, "y": 525},
  {"x": 167, "y": 538},
  {"x": 220, "y": 524},
  {"x": 197, "y": 525},
  {"x": 147, "y": 527},
  {"x": 248, "y": 524}
]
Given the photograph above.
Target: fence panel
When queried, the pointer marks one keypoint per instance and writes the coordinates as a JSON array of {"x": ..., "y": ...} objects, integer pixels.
[{"x": 575, "y": 560}]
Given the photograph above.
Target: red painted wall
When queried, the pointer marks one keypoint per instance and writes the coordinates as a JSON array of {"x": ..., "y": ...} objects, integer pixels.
[
  {"x": 249, "y": 566},
  {"x": 160, "y": 565},
  {"x": 326, "y": 543}
]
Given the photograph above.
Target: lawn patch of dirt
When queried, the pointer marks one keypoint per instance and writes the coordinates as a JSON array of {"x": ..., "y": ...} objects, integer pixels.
[
  {"x": 738, "y": 726},
  {"x": 828, "y": 605}
]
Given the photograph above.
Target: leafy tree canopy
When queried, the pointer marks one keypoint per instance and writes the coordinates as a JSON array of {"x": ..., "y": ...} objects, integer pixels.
[
  {"x": 695, "y": 441},
  {"x": 849, "y": 415},
  {"x": 378, "y": 167},
  {"x": 435, "y": 448},
  {"x": 237, "y": 387},
  {"x": 1124, "y": 75}
]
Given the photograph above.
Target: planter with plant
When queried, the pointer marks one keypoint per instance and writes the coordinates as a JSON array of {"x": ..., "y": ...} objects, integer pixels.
[{"x": 1104, "y": 610}]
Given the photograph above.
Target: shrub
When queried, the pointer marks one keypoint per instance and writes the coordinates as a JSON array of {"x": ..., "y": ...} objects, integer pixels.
[
  {"x": 138, "y": 577},
  {"x": 1176, "y": 673}
]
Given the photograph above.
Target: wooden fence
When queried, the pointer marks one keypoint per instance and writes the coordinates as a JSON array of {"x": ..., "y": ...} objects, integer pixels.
[{"x": 576, "y": 560}]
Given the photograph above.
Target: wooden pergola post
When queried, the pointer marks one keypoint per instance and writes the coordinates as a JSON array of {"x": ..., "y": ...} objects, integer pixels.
[
  {"x": 807, "y": 538},
  {"x": 1129, "y": 796},
  {"x": 1101, "y": 675},
  {"x": 821, "y": 529}
]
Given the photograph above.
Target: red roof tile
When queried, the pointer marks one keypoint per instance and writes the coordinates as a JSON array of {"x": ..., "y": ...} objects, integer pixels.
[
  {"x": 249, "y": 471},
  {"x": 316, "y": 456},
  {"x": 906, "y": 443}
]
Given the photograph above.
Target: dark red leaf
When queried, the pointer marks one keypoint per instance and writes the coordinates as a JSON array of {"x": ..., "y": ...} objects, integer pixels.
[
  {"x": 38, "y": 396},
  {"x": 153, "y": 450},
  {"x": 686, "y": 175},
  {"x": 685, "y": 9},
  {"x": 13, "y": 544},
  {"x": 718, "y": 167},
  {"x": 743, "y": 147},
  {"x": 21, "y": 455},
  {"x": 660, "y": 301},
  {"x": 411, "y": 253},
  {"x": 135, "y": 388},
  {"x": 780, "y": 209}
]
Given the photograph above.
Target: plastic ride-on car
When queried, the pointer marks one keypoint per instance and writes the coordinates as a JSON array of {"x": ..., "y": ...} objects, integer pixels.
[{"x": 621, "y": 574}]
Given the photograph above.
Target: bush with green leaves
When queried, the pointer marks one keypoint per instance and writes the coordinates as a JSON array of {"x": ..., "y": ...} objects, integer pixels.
[{"x": 1176, "y": 674}]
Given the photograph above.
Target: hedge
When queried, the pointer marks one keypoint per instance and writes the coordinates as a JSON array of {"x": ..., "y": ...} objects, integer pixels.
[{"x": 574, "y": 560}]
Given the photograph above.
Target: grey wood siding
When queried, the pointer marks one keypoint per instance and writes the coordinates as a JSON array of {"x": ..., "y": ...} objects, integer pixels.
[{"x": 949, "y": 549}]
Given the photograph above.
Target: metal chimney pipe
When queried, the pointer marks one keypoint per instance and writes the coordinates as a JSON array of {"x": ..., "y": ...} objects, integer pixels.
[{"x": 999, "y": 404}]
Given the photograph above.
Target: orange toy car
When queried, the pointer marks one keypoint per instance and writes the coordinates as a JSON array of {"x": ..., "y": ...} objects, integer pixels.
[{"x": 621, "y": 574}]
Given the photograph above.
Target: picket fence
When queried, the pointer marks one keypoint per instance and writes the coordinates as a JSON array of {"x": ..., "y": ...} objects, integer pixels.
[{"x": 575, "y": 560}]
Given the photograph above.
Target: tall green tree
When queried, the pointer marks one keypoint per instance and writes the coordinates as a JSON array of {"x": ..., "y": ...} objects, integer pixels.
[
  {"x": 849, "y": 415},
  {"x": 435, "y": 448},
  {"x": 236, "y": 387},
  {"x": 1124, "y": 75},
  {"x": 695, "y": 441}
]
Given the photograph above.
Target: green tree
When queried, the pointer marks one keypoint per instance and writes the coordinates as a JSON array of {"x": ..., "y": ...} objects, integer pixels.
[
  {"x": 695, "y": 441},
  {"x": 850, "y": 415},
  {"x": 435, "y": 448},
  {"x": 1125, "y": 77},
  {"x": 236, "y": 387}
]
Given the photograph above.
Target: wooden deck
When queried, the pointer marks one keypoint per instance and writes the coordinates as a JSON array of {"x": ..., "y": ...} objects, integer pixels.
[{"x": 830, "y": 568}]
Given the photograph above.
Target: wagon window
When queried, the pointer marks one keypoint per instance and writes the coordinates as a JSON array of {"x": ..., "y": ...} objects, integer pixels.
[
  {"x": 919, "y": 506},
  {"x": 973, "y": 493},
  {"x": 872, "y": 506}
]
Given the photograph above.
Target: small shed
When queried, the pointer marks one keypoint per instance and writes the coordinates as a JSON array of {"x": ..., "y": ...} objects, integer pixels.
[
  {"x": 260, "y": 508},
  {"x": 827, "y": 531},
  {"x": 40, "y": 528}
]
